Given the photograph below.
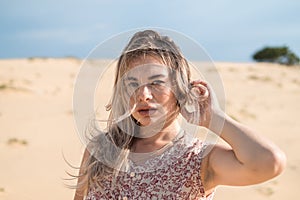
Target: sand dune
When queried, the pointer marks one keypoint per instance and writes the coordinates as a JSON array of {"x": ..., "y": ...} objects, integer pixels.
[{"x": 37, "y": 126}]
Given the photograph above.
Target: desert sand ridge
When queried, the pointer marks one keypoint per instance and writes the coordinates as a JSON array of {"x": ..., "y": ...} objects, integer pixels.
[{"x": 37, "y": 126}]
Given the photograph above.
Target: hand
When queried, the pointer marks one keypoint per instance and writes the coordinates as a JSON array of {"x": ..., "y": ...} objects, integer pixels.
[{"x": 203, "y": 106}]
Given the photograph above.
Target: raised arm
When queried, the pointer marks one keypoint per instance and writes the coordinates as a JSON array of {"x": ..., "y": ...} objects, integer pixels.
[{"x": 250, "y": 159}]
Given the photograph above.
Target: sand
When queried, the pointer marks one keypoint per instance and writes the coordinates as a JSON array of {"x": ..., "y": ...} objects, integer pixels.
[{"x": 37, "y": 128}]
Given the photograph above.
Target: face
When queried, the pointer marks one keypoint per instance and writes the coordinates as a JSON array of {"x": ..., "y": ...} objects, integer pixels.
[{"x": 149, "y": 88}]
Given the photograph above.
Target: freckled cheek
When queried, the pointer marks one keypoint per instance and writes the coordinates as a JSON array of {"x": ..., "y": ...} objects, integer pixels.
[
  {"x": 168, "y": 99},
  {"x": 132, "y": 102}
]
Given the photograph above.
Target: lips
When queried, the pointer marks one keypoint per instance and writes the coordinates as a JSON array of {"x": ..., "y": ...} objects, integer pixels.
[{"x": 146, "y": 111}]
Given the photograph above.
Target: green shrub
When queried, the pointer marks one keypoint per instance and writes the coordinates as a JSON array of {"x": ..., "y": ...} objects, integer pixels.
[{"x": 280, "y": 55}]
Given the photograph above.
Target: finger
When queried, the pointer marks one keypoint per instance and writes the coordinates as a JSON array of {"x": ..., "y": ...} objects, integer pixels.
[
  {"x": 196, "y": 82},
  {"x": 202, "y": 88}
]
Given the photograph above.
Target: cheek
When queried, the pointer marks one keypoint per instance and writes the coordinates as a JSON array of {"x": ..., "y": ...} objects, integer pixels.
[
  {"x": 132, "y": 102},
  {"x": 169, "y": 100}
]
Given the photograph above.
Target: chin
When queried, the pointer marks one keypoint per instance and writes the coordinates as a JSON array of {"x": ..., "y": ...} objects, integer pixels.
[
  {"x": 145, "y": 122},
  {"x": 149, "y": 121}
]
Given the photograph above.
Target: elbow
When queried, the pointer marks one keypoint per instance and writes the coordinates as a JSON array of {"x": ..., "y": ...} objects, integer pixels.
[
  {"x": 268, "y": 166},
  {"x": 274, "y": 164},
  {"x": 279, "y": 162}
]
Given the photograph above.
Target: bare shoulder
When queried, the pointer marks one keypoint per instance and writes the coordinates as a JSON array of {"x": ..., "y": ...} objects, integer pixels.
[
  {"x": 211, "y": 153},
  {"x": 80, "y": 192},
  {"x": 86, "y": 154},
  {"x": 223, "y": 168}
]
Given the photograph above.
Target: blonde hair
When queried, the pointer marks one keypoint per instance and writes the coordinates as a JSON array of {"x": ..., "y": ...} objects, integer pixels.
[{"x": 109, "y": 151}]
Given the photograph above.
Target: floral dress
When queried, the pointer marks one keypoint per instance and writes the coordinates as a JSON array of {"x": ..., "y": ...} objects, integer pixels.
[{"x": 174, "y": 174}]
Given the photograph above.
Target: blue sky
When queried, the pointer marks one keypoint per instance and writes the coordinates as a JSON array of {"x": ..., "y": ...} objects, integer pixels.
[{"x": 229, "y": 30}]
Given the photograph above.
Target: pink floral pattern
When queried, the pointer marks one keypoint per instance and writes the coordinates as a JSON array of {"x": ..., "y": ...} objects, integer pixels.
[{"x": 173, "y": 175}]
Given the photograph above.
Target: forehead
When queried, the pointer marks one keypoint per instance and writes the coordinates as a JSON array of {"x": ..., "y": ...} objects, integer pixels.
[
  {"x": 145, "y": 59},
  {"x": 147, "y": 71},
  {"x": 147, "y": 66}
]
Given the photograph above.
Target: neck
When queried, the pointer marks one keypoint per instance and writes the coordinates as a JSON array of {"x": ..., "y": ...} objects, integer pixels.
[{"x": 157, "y": 140}]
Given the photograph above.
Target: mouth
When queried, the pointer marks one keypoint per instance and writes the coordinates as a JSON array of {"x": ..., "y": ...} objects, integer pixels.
[{"x": 146, "y": 111}]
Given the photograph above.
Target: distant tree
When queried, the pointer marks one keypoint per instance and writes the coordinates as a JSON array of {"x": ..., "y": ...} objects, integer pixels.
[{"x": 280, "y": 55}]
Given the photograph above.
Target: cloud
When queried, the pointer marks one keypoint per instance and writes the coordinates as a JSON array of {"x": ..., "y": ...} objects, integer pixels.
[{"x": 219, "y": 25}]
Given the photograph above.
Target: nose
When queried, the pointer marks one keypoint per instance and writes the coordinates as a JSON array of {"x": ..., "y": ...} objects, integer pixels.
[{"x": 144, "y": 93}]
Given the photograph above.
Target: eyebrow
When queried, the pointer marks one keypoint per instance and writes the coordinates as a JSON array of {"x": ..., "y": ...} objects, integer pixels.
[
  {"x": 130, "y": 78},
  {"x": 156, "y": 76}
]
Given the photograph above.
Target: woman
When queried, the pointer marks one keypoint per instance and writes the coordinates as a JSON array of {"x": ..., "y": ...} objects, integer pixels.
[{"x": 145, "y": 154}]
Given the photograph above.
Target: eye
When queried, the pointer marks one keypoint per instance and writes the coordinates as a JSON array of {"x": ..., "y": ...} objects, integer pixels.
[
  {"x": 133, "y": 85},
  {"x": 158, "y": 82}
]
